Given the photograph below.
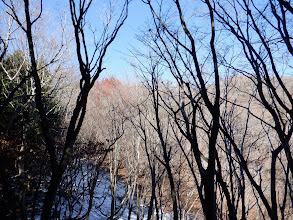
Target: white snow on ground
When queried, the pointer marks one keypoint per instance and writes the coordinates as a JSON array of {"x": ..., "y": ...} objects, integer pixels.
[{"x": 101, "y": 209}]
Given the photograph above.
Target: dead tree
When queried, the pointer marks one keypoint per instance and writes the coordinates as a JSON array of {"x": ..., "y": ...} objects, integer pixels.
[{"x": 90, "y": 66}]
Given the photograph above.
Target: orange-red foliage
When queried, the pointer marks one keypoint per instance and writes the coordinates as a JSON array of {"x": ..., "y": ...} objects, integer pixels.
[{"x": 107, "y": 87}]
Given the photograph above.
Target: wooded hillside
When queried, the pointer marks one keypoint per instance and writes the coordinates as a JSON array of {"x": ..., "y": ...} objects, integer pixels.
[{"x": 203, "y": 130}]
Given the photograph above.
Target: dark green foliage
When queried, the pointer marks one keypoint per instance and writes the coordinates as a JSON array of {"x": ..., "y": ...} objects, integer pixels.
[
  {"x": 12, "y": 72},
  {"x": 21, "y": 138},
  {"x": 21, "y": 108}
]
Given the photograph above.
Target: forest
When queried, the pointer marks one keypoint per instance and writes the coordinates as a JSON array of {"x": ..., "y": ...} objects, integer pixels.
[{"x": 202, "y": 128}]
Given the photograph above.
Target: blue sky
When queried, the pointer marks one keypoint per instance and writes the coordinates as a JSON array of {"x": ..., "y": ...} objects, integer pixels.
[
  {"x": 118, "y": 56},
  {"x": 119, "y": 52}
]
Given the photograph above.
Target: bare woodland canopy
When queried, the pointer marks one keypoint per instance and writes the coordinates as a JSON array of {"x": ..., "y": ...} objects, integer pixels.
[{"x": 205, "y": 132}]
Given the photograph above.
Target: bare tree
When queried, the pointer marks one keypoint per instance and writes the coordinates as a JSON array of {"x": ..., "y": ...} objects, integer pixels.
[
  {"x": 90, "y": 68},
  {"x": 177, "y": 50},
  {"x": 268, "y": 25},
  {"x": 204, "y": 105}
]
